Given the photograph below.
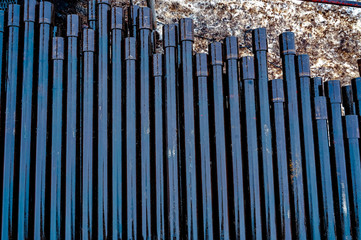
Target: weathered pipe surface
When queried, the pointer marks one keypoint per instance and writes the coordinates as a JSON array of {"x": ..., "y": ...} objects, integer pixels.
[
  {"x": 233, "y": 120},
  {"x": 280, "y": 150},
  {"x": 356, "y": 89},
  {"x": 307, "y": 143},
  {"x": 8, "y": 154},
  {"x": 288, "y": 52},
  {"x": 203, "y": 150},
  {"x": 26, "y": 119},
  {"x": 249, "y": 121},
  {"x": 117, "y": 116},
  {"x": 171, "y": 131},
  {"x": 322, "y": 152},
  {"x": 338, "y": 159},
  {"x": 218, "y": 138},
  {"x": 264, "y": 131}
]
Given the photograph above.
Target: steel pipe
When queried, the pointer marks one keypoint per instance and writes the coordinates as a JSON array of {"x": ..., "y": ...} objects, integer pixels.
[
  {"x": 356, "y": 89},
  {"x": 338, "y": 160},
  {"x": 233, "y": 118},
  {"x": 218, "y": 139},
  {"x": 26, "y": 120},
  {"x": 8, "y": 154},
  {"x": 280, "y": 151}
]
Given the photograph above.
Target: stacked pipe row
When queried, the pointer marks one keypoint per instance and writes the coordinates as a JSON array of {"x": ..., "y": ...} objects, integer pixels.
[{"x": 101, "y": 137}]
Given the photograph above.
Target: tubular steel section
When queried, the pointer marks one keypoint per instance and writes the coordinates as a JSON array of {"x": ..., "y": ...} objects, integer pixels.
[
  {"x": 71, "y": 133},
  {"x": 88, "y": 134},
  {"x": 92, "y": 16},
  {"x": 203, "y": 151},
  {"x": 171, "y": 131},
  {"x": 11, "y": 76},
  {"x": 143, "y": 95},
  {"x": 117, "y": 109},
  {"x": 307, "y": 143},
  {"x": 133, "y": 12},
  {"x": 56, "y": 138},
  {"x": 338, "y": 160},
  {"x": 232, "y": 88},
  {"x": 2, "y": 82},
  {"x": 250, "y": 133},
  {"x": 288, "y": 51},
  {"x": 264, "y": 131},
  {"x": 45, "y": 17},
  {"x": 356, "y": 89},
  {"x": 131, "y": 142},
  {"x": 218, "y": 139},
  {"x": 352, "y": 134},
  {"x": 280, "y": 150},
  {"x": 26, "y": 120},
  {"x": 188, "y": 128},
  {"x": 316, "y": 87},
  {"x": 347, "y": 100},
  {"x": 160, "y": 214},
  {"x": 327, "y": 212}
]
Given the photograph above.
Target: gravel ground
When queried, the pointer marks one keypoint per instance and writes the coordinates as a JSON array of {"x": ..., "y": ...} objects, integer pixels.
[{"x": 329, "y": 34}]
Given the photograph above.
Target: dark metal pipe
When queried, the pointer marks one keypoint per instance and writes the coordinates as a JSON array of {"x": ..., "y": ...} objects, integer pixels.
[
  {"x": 307, "y": 143},
  {"x": 347, "y": 100},
  {"x": 88, "y": 134},
  {"x": 356, "y": 89},
  {"x": 352, "y": 135},
  {"x": 250, "y": 133},
  {"x": 2, "y": 64},
  {"x": 232, "y": 88},
  {"x": 203, "y": 151},
  {"x": 56, "y": 138},
  {"x": 45, "y": 19},
  {"x": 338, "y": 161},
  {"x": 316, "y": 87},
  {"x": 131, "y": 142},
  {"x": 171, "y": 132},
  {"x": 159, "y": 147},
  {"x": 288, "y": 52},
  {"x": 338, "y": 2},
  {"x": 133, "y": 12},
  {"x": 327, "y": 212},
  {"x": 92, "y": 15},
  {"x": 117, "y": 102},
  {"x": 26, "y": 120},
  {"x": 280, "y": 151},
  {"x": 264, "y": 131},
  {"x": 72, "y": 148},
  {"x": 145, "y": 52},
  {"x": 218, "y": 139},
  {"x": 102, "y": 220},
  {"x": 188, "y": 128},
  {"x": 13, "y": 23}
]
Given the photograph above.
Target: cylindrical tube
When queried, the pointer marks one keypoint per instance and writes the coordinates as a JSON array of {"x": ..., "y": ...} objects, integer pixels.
[
  {"x": 347, "y": 100},
  {"x": 56, "y": 138},
  {"x": 171, "y": 131},
  {"x": 288, "y": 51},
  {"x": 145, "y": 51},
  {"x": 45, "y": 17},
  {"x": 264, "y": 131},
  {"x": 88, "y": 134},
  {"x": 188, "y": 128},
  {"x": 26, "y": 117},
  {"x": 71, "y": 148},
  {"x": 316, "y": 87},
  {"x": 232, "y": 87},
  {"x": 101, "y": 220},
  {"x": 352, "y": 134},
  {"x": 218, "y": 138},
  {"x": 327, "y": 212},
  {"x": 204, "y": 144},
  {"x": 92, "y": 19},
  {"x": 117, "y": 102},
  {"x": 307, "y": 143},
  {"x": 159, "y": 147},
  {"x": 356, "y": 89},
  {"x": 338, "y": 160},
  {"x": 131, "y": 141},
  {"x": 133, "y": 12},
  {"x": 250, "y": 132},
  {"x": 280, "y": 151},
  {"x": 2, "y": 63},
  {"x": 13, "y": 23}
]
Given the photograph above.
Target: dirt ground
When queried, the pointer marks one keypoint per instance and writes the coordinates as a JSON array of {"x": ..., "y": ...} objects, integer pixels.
[{"x": 331, "y": 35}]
